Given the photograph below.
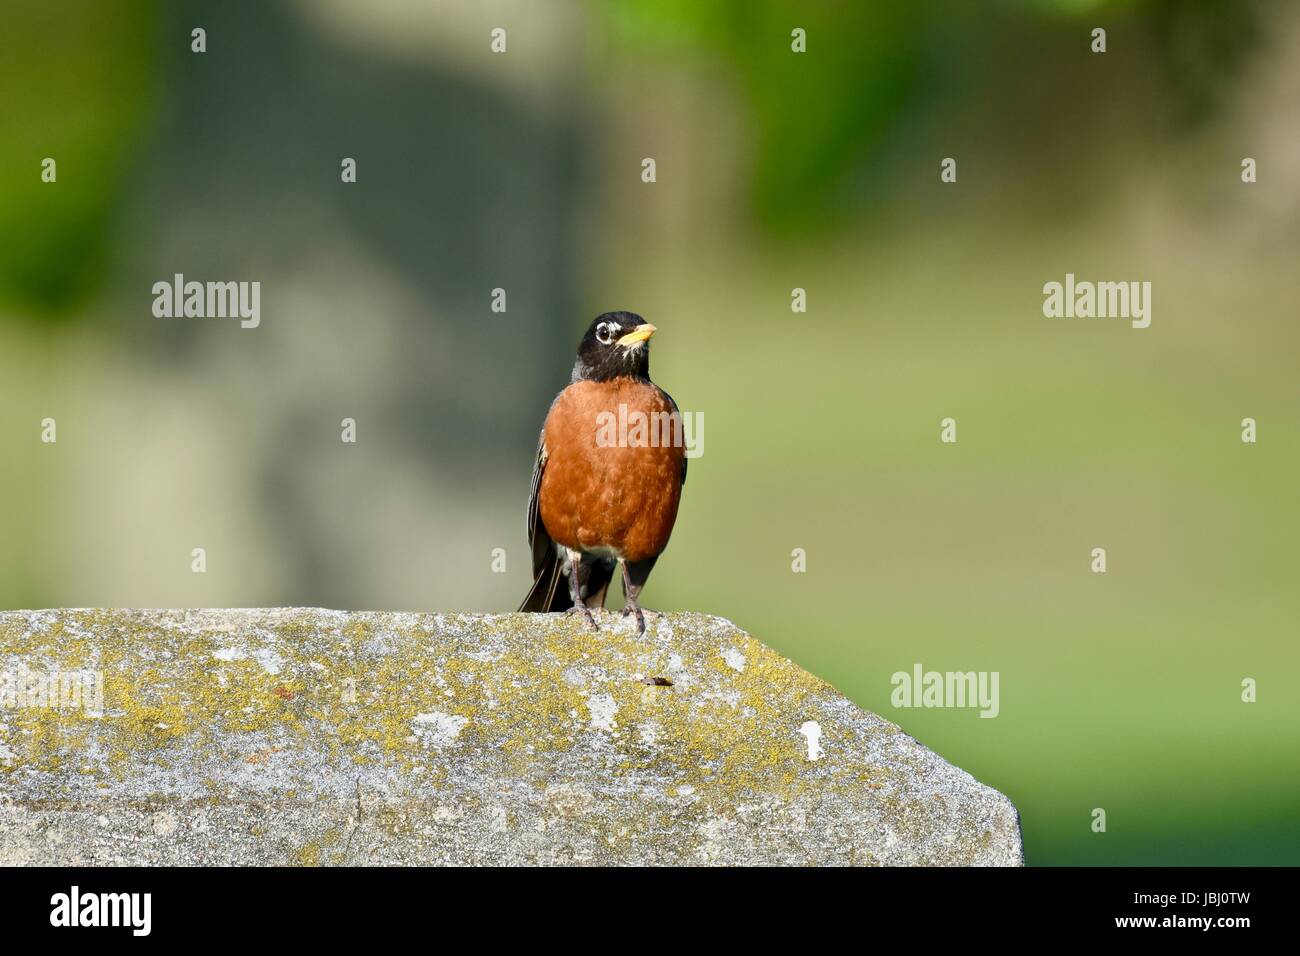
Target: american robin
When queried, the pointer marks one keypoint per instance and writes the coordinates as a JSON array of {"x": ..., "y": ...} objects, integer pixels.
[{"x": 610, "y": 467}]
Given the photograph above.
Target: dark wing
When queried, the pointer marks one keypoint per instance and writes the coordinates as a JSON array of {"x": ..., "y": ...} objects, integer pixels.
[
  {"x": 538, "y": 540},
  {"x": 548, "y": 568},
  {"x": 677, "y": 411}
]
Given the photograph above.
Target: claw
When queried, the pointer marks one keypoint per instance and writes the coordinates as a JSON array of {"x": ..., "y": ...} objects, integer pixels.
[
  {"x": 640, "y": 617},
  {"x": 587, "y": 611}
]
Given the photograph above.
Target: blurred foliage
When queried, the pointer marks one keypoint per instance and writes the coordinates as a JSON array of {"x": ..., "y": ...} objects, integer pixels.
[
  {"x": 817, "y": 118},
  {"x": 1203, "y": 45},
  {"x": 77, "y": 77},
  {"x": 813, "y": 116}
]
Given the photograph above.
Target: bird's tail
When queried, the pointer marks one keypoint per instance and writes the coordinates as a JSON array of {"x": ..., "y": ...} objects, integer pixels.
[{"x": 550, "y": 590}]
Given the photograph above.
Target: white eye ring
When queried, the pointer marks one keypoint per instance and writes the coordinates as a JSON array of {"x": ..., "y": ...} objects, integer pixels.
[{"x": 605, "y": 332}]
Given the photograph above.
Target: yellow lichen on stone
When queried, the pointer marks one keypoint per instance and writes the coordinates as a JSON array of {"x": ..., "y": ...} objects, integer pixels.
[{"x": 319, "y": 737}]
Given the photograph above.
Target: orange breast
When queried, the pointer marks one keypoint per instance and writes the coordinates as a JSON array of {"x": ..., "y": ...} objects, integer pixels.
[{"x": 613, "y": 474}]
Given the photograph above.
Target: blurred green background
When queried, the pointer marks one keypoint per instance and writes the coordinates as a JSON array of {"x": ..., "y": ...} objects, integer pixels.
[{"x": 775, "y": 170}]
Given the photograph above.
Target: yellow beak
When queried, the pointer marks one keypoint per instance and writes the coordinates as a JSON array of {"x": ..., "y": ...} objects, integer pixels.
[{"x": 639, "y": 334}]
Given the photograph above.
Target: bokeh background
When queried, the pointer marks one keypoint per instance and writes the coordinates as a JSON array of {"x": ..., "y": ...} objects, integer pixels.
[{"x": 775, "y": 171}]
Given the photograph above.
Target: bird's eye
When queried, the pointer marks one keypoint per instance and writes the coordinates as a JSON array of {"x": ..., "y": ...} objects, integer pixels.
[{"x": 605, "y": 332}]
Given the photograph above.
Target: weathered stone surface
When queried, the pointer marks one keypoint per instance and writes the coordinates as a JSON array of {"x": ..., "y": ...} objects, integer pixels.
[{"x": 319, "y": 737}]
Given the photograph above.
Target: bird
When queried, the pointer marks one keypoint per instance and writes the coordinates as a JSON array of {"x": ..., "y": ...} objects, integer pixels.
[{"x": 608, "y": 476}]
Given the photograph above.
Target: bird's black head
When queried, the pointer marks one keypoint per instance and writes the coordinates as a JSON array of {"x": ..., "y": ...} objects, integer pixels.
[{"x": 617, "y": 345}]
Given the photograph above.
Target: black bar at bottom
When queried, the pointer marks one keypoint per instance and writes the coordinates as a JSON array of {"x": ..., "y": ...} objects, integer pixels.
[{"x": 297, "y": 907}]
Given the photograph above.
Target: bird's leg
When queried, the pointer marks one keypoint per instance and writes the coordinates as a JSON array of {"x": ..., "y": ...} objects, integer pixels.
[
  {"x": 630, "y": 591},
  {"x": 575, "y": 588}
]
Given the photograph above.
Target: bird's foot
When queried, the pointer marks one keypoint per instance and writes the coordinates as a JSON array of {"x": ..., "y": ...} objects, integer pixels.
[
  {"x": 640, "y": 616},
  {"x": 582, "y": 608}
]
